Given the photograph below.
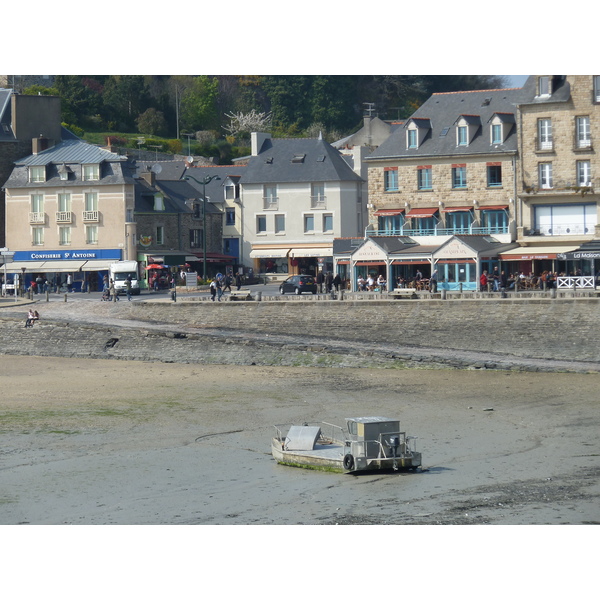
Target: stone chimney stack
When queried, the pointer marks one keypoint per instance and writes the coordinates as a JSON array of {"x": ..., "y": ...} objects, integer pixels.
[{"x": 257, "y": 140}]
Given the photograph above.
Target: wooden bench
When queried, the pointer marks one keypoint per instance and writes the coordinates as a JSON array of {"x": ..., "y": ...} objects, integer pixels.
[
  {"x": 403, "y": 293},
  {"x": 240, "y": 295}
]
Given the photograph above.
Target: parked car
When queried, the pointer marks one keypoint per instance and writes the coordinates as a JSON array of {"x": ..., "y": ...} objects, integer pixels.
[{"x": 297, "y": 284}]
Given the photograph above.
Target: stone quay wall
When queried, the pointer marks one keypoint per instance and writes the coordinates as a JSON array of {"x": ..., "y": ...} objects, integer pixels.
[{"x": 349, "y": 333}]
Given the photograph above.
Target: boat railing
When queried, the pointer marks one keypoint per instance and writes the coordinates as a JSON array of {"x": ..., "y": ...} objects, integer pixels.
[{"x": 329, "y": 432}]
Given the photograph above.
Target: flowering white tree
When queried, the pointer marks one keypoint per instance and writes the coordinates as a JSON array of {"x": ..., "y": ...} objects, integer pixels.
[{"x": 245, "y": 123}]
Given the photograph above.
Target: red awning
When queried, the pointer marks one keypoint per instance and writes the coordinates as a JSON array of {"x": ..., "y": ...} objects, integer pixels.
[
  {"x": 421, "y": 212},
  {"x": 499, "y": 207},
  {"x": 388, "y": 212},
  {"x": 457, "y": 209}
]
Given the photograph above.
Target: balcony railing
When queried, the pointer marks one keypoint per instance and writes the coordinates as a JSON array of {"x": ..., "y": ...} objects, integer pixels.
[
  {"x": 562, "y": 229},
  {"x": 64, "y": 216},
  {"x": 37, "y": 218},
  {"x": 91, "y": 216},
  {"x": 439, "y": 231},
  {"x": 270, "y": 203},
  {"x": 318, "y": 202}
]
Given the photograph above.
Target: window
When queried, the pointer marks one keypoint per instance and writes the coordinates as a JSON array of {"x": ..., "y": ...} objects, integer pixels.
[
  {"x": 496, "y": 134},
  {"x": 459, "y": 176},
  {"x": 327, "y": 222},
  {"x": 390, "y": 177},
  {"x": 37, "y": 203},
  {"x": 159, "y": 202},
  {"x": 496, "y": 221},
  {"x": 390, "y": 224},
  {"x": 197, "y": 210},
  {"x": 270, "y": 197},
  {"x": 571, "y": 219},
  {"x": 37, "y": 174},
  {"x": 424, "y": 178},
  {"x": 64, "y": 236},
  {"x": 544, "y": 86},
  {"x": 64, "y": 202},
  {"x": 261, "y": 224},
  {"x": 196, "y": 238},
  {"x": 91, "y": 201},
  {"x": 37, "y": 236},
  {"x": 160, "y": 235},
  {"x": 91, "y": 234},
  {"x": 545, "y": 175},
  {"x": 230, "y": 217},
  {"x": 91, "y": 172},
  {"x": 460, "y": 221},
  {"x": 317, "y": 195},
  {"x": 544, "y": 134},
  {"x": 597, "y": 88},
  {"x": 584, "y": 139},
  {"x": 461, "y": 134},
  {"x": 309, "y": 223},
  {"x": 279, "y": 223},
  {"x": 494, "y": 175},
  {"x": 584, "y": 176},
  {"x": 411, "y": 138},
  {"x": 232, "y": 192}
]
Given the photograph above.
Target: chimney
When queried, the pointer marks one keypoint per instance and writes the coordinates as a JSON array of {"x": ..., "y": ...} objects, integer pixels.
[
  {"x": 257, "y": 140},
  {"x": 39, "y": 144},
  {"x": 149, "y": 177}
]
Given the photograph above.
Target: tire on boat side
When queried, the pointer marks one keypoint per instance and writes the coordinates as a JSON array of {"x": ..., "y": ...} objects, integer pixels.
[{"x": 348, "y": 462}]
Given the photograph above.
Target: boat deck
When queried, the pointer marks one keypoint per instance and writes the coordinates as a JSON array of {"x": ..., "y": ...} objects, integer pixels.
[{"x": 322, "y": 451}]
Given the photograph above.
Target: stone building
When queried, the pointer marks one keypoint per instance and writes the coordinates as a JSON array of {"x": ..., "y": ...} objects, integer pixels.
[{"x": 558, "y": 191}]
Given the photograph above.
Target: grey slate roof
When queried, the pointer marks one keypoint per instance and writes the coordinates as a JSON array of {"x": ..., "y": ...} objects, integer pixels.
[
  {"x": 214, "y": 189},
  {"x": 114, "y": 169},
  {"x": 274, "y": 163},
  {"x": 561, "y": 90},
  {"x": 443, "y": 111}
]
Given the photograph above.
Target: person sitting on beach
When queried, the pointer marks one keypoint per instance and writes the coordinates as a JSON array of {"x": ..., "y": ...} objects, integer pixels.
[{"x": 30, "y": 318}]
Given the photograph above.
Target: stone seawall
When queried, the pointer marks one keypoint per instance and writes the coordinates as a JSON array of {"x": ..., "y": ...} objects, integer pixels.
[{"x": 536, "y": 334}]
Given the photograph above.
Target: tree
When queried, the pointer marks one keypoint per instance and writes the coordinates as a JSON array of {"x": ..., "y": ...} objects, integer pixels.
[
  {"x": 199, "y": 104},
  {"x": 243, "y": 124},
  {"x": 125, "y": 97},
  {"x": 152, "y": 122},
  {"x": 78, "y": 101}
]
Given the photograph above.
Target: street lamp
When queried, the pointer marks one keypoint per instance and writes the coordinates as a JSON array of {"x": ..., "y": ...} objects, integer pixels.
[{"x": 203, "y": 183}]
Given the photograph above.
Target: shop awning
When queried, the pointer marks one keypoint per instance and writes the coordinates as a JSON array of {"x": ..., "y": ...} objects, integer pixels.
[
  {"x": 388, "y": 212},
  {"x": 30, "y": 265},
  {"x": 498, "y": 207},
  {"x": 269, "y": 253},
  {"x": 533, "y": 253},
  {"x": 97, "y": 265},
  {"x": 457, "y": 209},
  {"x": 63, "y": 266},
  {"x": 310, "y": 252},
  {"x": 421, "y": 212}
]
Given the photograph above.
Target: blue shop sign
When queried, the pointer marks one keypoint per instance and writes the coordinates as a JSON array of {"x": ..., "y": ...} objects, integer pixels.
[{"x": 100, "y": 254}]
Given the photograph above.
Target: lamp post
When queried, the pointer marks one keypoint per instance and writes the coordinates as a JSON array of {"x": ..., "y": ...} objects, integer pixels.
[{"x": 203, "y": 183}]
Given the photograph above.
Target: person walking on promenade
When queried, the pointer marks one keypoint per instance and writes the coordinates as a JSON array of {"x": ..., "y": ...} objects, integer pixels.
[
  {"x": 238, "y": 281},
  {"x": 483, "y": 281},
  {"x": 128, "y": 287},
  {"x": 433, "y": 280},
  {"x": 337, "y": 282},
  {"x": 213, "y": 289},
  {"x": 113, "y": 291}
]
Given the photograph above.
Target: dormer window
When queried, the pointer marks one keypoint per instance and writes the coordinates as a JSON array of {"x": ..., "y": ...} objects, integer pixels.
[
  {"x": 544, "y": 86},
  {"x": 159, "y": 202},
  {"x": 63, "y": 172},
  {"x": 91, "y": 172},
  {"x": 466, "y": 128},
  {"x": 500, "y": 126},
  {"x": 232, "y": 191},
  {"x": 37, "y": 174},
  {"x": 416, "y": 132}
]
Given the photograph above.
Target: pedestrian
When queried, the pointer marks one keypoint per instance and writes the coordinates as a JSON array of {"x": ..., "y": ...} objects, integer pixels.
[
  {"x": 30, "y": 318},
  {"x": 69, "y": 282},
  {"x": 238, "y": 281},
  {"x": 433, "y": 281},
  {"x": 337, "y": 282},
  {"x": 219, "y": 288},
  {"x": 213, "y": 288},
  {"x": 113, "y": 291},
  {"x": 483, "y": 281},
  {"x": 227, "y": 284},
  {"x": 496, "y": 279},
  {"x": 320, "y": 279},
  {"x": 328, "y": 282},
  {"x": 128, "y": 287}
]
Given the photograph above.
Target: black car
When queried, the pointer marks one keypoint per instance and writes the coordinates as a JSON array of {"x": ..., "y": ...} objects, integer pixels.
[{"x": 299, "y": 283}]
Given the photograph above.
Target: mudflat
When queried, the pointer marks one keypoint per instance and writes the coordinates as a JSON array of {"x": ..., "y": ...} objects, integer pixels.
[{"x": 117, "y": 442}]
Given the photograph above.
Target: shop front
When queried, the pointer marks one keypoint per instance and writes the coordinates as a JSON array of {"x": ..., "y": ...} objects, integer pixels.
[
  {"x": 86, "y": 267},
  {"x": 309, "y": 261},
  {"x": 270, "y": 260},
  {"x": 533, "y": 261}
]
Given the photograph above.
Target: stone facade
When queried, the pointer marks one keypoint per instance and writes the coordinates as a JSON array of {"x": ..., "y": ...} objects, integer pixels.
[{"x": 562, "y": 152}]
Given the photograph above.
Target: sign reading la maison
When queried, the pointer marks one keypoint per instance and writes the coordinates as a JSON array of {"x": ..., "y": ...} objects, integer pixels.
[{"x": 100, "y": 254}]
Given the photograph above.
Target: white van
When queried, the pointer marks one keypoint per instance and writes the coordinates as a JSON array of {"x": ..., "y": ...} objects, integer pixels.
[{"x": 119, "y": 271}]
